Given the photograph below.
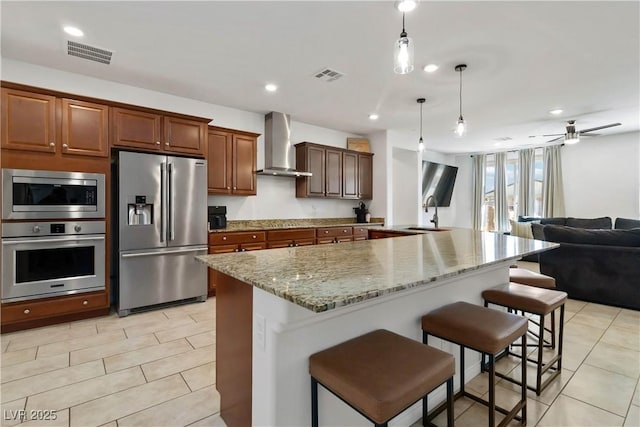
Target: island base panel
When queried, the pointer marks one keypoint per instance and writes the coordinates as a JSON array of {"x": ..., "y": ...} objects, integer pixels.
[{"x": 234, "y": 302}]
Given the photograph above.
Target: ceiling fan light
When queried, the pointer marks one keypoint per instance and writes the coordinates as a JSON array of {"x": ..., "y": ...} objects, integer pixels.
[
  {"x": 571, "y": 138},
  {"x": 403, "y": 54},
  {"x": 406, "y": 5},
  {"x": 421, "y": 145}
]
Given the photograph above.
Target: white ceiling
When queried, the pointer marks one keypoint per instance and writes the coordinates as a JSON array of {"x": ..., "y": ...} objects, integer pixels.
[{"x": 524, "y": 59}]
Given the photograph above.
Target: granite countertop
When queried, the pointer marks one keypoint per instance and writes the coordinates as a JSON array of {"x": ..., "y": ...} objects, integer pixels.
[
  {"x": 325, "y": 277},
  {"x": 277, "y": 224}
]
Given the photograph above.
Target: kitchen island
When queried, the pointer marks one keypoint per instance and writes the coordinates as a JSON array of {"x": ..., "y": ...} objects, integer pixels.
[{"x": 274, "y": 308}]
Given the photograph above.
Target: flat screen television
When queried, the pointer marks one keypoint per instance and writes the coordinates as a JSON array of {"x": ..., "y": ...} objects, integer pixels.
[{"x": 438, "y": 179}]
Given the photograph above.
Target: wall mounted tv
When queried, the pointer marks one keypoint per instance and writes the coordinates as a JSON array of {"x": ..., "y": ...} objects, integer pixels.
[{"x": 438, "y": 179}]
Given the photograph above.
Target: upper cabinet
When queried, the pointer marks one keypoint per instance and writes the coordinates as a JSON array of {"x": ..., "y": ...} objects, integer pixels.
[
  {"x": 30, "y": 122},
  {"x": 231, "y": 162},
  {"x": 156, "y": 132},
  {"x": 337, "y": 173}
]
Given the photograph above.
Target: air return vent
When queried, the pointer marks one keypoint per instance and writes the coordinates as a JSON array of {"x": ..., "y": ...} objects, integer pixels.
[
  {"x": 328, "y": 75},
  {"x": 91, "y": 53}
]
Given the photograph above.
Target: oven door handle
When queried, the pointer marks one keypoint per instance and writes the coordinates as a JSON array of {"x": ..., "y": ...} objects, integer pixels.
[
  {"x": 181, "y": 251},
  {"x": 7, "y": 242}
]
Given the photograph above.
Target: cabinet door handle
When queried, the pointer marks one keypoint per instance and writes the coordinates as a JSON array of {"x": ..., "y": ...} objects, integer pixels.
[
  {"x": 65, "y": 146},
  {"x": 26, "y": 311},
  {"x": 85, "y": 302},
  {"x": 254, "y": 236},
  {"x": 326, "y": 232},
  {"x": 224, "y": 237},
  {"x": 52, "y": 144},
  {"x": 157, "y": 142},
  {"x": 235, "y": 188},
  {"x": 237, "y": 250},
  {"x": 344, "y": 231},
  {"x": 228, "y": 188},
  {"x": 166, "y": 143}
]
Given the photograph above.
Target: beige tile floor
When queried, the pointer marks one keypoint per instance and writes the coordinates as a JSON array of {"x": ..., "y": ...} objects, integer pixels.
[{"x": 158, "y": 369}]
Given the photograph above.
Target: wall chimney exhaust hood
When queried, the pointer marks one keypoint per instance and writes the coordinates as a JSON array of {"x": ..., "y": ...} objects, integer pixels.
[{"x": 278, "y": 153}]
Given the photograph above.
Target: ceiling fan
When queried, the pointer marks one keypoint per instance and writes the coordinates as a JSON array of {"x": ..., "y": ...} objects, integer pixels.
[{"x": 572, "y": 136}]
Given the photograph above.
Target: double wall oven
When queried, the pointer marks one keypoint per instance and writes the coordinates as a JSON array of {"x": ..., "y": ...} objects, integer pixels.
[{"x": 53, "y": 233}]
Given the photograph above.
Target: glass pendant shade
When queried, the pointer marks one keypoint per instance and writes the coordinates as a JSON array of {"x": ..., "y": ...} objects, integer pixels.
[
  {"x": 461, "y": 126},
  {"x": 403, "y": 54}
]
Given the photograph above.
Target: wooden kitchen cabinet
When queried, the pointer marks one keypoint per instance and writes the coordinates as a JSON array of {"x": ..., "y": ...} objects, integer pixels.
[
  {"x": 290, "y": 238},
  {"x": 241, "y": 241},
  {"x": 30, "y": 122},
  {"x": 360, "y": 233},
  {"x": 334, "y": 235},
  {"x": 151, "y": 131},
  {"x": 337, "y": 173},
  {"x": 232, "y": 161}
]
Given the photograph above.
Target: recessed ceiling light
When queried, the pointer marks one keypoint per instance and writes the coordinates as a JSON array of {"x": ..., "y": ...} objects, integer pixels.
[
  {"x": 73, "y": 31},
  {"x": 430, "y": 68},
  {"x": 271, "y": 87},
  {"x": 556, "y": 111},
  {"x": 373, "y": 117},
  {"x": 406, "y": 5}
]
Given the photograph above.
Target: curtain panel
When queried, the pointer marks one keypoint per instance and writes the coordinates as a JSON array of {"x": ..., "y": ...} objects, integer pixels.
[
  {"x": 526, "y": 182},
  {"x": 479, "y": 167},
  {"x": 502, "y": 206},
  {"x": 552, "y": 189}
]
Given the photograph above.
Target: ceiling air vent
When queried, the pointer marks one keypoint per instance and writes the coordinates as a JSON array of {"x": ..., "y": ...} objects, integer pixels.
[
  {"x": 328, "y": 75},
  {"x": 91, "y": 53}
]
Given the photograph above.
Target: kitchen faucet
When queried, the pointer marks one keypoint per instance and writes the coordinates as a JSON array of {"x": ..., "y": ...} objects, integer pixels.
[{"x": 434, "y": 220}]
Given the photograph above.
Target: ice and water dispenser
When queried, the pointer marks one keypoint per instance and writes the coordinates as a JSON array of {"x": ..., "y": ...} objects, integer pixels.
[{"x": 140, "y": 212}]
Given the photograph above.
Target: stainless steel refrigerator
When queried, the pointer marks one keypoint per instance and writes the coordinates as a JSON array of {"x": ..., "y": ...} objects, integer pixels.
[{"x": 161, "y": 226}]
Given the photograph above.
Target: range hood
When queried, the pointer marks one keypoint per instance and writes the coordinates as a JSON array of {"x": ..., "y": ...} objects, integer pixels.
[{"x": 279, "y": 155}]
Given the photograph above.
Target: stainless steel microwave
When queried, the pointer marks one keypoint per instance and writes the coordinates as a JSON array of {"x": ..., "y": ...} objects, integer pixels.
[{"x": 36, "y": 194}]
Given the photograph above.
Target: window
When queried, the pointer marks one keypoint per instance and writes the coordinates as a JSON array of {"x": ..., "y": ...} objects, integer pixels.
[{"x": 513, "y": 177}]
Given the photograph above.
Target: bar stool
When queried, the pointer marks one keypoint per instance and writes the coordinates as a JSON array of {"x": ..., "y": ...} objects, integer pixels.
[
  {"x": 486, "y": 331},
  {"x": 538, "y": 280},
  {"x": 536, "y": 301},
  {"x": 380, "y": 374}
]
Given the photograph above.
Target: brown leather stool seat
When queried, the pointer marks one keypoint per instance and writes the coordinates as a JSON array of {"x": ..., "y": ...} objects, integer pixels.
[
  {"x": 531, "y": 278},
  {"x": 380, "y": 374},
  {"x": 486, "y": 331},
  {"x": 538, "y": 280},
  {"x": 537, "y": 301}
]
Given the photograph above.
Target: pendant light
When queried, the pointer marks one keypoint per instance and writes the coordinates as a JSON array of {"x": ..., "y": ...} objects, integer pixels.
[
  {"x": 461, "y": 126},
  {"x": 420, "y": 141},
  {"x": 403, "y": 52}
]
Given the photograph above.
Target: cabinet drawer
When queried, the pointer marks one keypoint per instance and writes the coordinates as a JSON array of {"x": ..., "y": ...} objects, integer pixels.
[
  {"x": 342, "y": 239},
  {"x": 334, "y": 231},
  {"x": 222, "y": 249},
  {"x": 274, "y": 235},
  {"x": 325, "y": 240},
  {"x": 360, "y": 231},
  {"x": 236, "y": 238},
  {"x": 290, "y": 243},
  {"x": 37, "y": 309},
  {"x": 377, "y": 234},
  {"x": 253, "y": 246}
]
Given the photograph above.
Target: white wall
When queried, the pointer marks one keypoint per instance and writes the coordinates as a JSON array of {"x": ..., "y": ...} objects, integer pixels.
[
  {"x": 276, "y": 195},
  {"x": 602, "y": 177}
]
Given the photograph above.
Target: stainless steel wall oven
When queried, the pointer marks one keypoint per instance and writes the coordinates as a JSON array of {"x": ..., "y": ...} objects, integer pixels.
[{"x": 52, "y": 258}]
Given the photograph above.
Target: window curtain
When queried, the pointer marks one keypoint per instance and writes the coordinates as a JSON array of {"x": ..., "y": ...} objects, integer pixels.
[
  {"x": 526, "y": 184},
  {"x": 479, "y": 166},
  {"x": 502, "y": 207},
  {"x": 552, "y": 189}
]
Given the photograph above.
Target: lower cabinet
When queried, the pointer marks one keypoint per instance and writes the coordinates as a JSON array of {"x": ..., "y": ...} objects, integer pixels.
[
  {"x": 221, "y": 243},
  {"x": 47, "y": 310},
  {"x": 334, "y": 235},
  {"x": 290, "y": 238},
  {"x": 382, "y": 234}
]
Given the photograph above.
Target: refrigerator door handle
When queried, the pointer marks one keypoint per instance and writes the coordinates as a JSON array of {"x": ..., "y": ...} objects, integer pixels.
[
  {"x": 179, "y": 251},
  {"x": 172, "y": 222},
  {"x": 163, "y": 203}
]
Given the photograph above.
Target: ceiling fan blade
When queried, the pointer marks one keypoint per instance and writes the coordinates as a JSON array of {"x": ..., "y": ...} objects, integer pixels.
[
  {"x": 590, "y": 134},
  {"x": 554, "y": 134},
  {"x": 555, "y": 139},
  {"x": 599, "y": 127}
]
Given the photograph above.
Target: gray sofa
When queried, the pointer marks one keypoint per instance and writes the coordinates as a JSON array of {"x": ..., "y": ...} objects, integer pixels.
[{"x": 596, "y": 265}]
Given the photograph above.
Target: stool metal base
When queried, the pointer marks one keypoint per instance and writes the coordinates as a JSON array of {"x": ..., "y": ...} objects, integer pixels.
[{"x": 491, "y": 404}]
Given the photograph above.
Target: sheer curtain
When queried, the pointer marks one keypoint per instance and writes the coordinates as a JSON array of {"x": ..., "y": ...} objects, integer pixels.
[
  {"x": 502, "y": 206},
  {"x": 552, "y": 190},
  {"x": 479, "y": 166},
  {"x": 526, "y": 184}
]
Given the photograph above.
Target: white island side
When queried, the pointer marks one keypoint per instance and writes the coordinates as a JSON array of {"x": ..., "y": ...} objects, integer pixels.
[{"x": 277, "y": 307}]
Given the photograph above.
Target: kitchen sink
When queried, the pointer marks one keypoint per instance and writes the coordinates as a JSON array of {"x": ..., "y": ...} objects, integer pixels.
[{"x": 428, "y": 229}]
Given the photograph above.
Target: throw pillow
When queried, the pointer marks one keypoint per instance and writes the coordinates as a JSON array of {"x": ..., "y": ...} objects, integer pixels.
[
  {"x": 561, "y": 234},
  {"x": 521, "y": 229},
  {"x": 538, "y": 231}
]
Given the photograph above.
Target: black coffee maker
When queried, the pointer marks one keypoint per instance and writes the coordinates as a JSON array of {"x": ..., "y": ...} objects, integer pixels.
[
  {"x": 217, "y": 217},
  {"x": 361, "y": 213}
]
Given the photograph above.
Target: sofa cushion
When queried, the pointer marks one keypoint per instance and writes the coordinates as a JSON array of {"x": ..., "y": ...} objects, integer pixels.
[
  {"x": 553, "y": 221},
  {"x": 604, "y": 222},
  {"x": 525, "y": 218},
  {"x": 537, "y": 230},
  {"x": 563, "y": 234},
  {"x": 626, "y": 223}
]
